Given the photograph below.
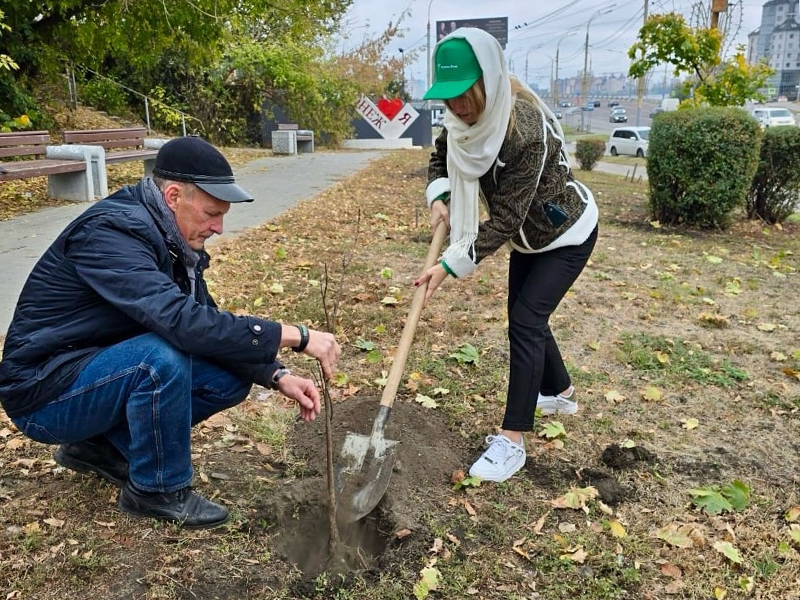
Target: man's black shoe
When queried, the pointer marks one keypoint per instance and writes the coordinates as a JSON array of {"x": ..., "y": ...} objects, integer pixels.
[
  {"x": 185, "y": 506},
  {"x": 96, "y": 455}
]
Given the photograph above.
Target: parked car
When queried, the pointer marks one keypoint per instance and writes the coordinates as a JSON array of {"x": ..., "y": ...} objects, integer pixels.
[
  {"x": 558, "y": 114},
  {"x": 773, "y": 117},
  {"x": 589, "y": 106},
  {"x": 656, "y": 111},
  {"x": 670, "y": 104},
  {"x": 597, "y": 103},
  {"x": 612, "y": 103},
  {"x": 629, "y": 140},
  {"x": 618, "y": 115}
]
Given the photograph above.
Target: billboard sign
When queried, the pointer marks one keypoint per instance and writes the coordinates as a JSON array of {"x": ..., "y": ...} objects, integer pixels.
[{"x": 498, "y": 27}]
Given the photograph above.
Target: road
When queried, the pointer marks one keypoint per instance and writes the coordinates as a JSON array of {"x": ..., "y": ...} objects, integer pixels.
[{"x": 597, "y": 122}]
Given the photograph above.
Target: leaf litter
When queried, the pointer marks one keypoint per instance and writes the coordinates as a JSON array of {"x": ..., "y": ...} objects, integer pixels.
[{"x": 275, "y": 471}]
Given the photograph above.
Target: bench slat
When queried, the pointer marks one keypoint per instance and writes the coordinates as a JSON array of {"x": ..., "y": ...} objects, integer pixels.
[
  {"x": 37, "y": 168},
  {"x": 108, "y": 145},
  {"x": 126, "y": 155},
  {"x": 86, "y": 136},
  {"x": 23, "y": 151},
  {"x": 24, "y": 138},
  {"x": 287, "y": 126}
]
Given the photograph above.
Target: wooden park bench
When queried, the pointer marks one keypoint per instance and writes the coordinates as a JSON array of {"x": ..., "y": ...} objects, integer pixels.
[
  {"x": 304, "y": 138},
  {"x": 121, "y": 145},
  {"x": 69, "y": 173}
]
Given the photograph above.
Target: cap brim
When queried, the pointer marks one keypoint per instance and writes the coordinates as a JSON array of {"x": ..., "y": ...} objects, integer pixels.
[
  {"x": 445, "y": 90},
  {"x": 227, "y": 192}
]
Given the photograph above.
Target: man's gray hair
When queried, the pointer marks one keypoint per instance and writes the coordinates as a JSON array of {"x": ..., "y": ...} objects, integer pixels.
[{"x": 163, "y": 182}]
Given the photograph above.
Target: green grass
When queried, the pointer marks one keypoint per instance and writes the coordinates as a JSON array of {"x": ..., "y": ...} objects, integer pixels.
[{"x": 670, "y": 361}]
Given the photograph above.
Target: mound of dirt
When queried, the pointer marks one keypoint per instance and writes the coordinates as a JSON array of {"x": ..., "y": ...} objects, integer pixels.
[{"x": 427, "y": 455}]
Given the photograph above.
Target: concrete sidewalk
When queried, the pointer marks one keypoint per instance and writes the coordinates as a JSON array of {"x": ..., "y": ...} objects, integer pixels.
[{"x": 276, "y": 183}]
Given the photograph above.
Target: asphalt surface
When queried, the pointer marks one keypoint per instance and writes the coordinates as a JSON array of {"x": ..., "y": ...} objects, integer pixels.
[{"x": 276, "y": 183}]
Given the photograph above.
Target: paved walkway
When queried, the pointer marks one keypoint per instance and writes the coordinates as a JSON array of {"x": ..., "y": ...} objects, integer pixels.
[{"x": 276, "y": 183}]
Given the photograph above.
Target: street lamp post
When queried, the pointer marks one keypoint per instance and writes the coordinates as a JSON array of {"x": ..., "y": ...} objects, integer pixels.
[
  {"x": 428, "y": 55},
  {"x": 585, "y": 79},
  {"x": 558, "y": 47},
  {"x": 403, "y": 72}
]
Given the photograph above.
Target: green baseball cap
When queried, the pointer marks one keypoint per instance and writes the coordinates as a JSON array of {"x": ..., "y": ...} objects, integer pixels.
[{"x": 457, "y": 69}]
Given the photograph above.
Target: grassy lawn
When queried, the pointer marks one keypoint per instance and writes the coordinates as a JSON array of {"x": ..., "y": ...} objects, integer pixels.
[{"x": 678, "y": 478}]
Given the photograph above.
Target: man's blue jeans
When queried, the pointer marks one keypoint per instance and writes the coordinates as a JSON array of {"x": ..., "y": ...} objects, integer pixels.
[{"x": 144, "y": 395}]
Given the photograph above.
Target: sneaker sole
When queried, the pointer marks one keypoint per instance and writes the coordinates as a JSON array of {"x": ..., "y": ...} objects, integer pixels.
[
  {"x": 80, "y": 466},
  {"x": 567, "y": 411}
]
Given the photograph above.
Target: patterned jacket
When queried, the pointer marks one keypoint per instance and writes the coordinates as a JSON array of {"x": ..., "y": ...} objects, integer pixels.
[{"x": 531, "y": 169}]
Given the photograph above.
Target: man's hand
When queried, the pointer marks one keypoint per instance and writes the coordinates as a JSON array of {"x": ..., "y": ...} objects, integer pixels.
[
  {"x": 433, "y": 277},
  {"x": 439, "y": 212},
  {"x": 304, "y": 392},
  {"x": 323, "y": 347}
]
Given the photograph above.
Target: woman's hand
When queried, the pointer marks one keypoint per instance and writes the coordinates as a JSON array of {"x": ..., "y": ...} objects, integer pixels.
[
  {"x": 304, "y": 392},
  {"x": 433, "y": 277},
  {"x": 439, "y": 213}
]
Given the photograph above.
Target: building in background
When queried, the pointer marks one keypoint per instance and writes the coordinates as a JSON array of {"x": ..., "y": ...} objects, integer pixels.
[{"x": 777, "y": 41}]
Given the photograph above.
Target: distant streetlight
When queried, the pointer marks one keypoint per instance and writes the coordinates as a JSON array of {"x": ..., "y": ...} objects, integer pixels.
[
  {"x": 585, "y": 80},
  {"x": 428, "y": 60},
  {"x": 558, "y": 48},
  {"x": 402, "y": 72}
]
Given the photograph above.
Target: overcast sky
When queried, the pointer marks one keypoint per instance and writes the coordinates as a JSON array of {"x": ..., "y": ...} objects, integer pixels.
[{"x": 610, "y": 35}]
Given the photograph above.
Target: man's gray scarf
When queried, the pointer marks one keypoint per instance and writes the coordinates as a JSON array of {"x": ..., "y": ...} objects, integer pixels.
[{"x": 189, "y": 256}]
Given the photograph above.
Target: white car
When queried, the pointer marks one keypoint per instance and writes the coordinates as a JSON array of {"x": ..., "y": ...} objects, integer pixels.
[
  {"x": 773, "y": 117},
  {"x": 629, "y": 140}
]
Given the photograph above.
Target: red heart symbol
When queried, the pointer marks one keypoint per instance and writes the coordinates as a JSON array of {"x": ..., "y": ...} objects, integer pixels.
[{"x": 390, "y": 108}]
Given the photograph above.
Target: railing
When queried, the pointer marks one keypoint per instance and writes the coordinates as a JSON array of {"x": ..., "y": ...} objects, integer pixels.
[{"x": 73, "y": 95}]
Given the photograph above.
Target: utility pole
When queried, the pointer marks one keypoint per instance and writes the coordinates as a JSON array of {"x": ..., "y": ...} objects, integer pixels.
[
  {"x": 555, "y": 85},
  {"x": 642, "y": 80}
]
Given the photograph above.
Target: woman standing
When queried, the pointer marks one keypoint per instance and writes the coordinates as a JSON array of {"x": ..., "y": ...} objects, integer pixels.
[{"x": 502, "y": 145}]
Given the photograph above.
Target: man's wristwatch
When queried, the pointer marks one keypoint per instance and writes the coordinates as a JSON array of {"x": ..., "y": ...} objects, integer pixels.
[{"x": 276, "y": 376}]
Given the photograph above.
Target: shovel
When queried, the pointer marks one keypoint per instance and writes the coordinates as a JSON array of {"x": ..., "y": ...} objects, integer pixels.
[{"x": 366, "y": 462}]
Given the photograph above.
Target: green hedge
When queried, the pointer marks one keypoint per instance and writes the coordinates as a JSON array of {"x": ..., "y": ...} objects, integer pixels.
[
  {"x": 776, "y": 186},
  {"x": 588, "y": 151},
  {"x": 700, "y": 164}
]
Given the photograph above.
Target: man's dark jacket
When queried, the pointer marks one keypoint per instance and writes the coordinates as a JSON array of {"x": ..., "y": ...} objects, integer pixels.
[{"x": 111, "y": 275}]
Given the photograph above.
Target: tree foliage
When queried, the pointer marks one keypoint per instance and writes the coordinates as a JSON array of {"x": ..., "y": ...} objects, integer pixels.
[
  {"x": 221, "y": 61},
  {"x": 696, "y": 52}
]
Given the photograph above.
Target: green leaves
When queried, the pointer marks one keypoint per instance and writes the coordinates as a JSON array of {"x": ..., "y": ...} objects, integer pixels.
[
  {"x": 714, "y": 500},
  {"x": 466, "y": 354},
  {"x": 429, "y": 581},
  {"x": 364, "y": 345}
]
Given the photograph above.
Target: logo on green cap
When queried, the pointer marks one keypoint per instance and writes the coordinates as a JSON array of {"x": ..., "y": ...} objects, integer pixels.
[{"x": 457, "y": 69}]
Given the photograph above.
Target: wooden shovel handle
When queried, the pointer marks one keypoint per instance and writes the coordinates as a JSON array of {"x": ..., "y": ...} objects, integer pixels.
[{"x": 400, "y": 357}]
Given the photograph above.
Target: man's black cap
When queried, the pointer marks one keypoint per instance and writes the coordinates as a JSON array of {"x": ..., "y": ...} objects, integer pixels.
[{"x": 195, "y": 160}]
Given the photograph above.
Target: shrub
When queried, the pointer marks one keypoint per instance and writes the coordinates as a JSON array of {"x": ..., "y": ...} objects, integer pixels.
[
  {"x": 588, "y": 151},
  {"x": 775, "y": 191},
  {"x": 700, "y": 164},
  {"x": 105, "y": 95}
]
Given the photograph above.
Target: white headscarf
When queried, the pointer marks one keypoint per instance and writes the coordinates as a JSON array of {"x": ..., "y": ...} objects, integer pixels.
[{"x": 473, "y": 149}]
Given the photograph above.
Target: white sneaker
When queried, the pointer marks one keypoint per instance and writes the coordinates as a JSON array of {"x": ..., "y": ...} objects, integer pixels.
[
  {"x": 501, "y": 460},
  {"x": 557, "y": 405}
]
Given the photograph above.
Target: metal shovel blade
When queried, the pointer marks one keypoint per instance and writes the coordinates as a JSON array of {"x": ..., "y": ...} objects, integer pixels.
[
  {"x": 365, "y": 466},
  {"x": 366, "y": 462}
]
